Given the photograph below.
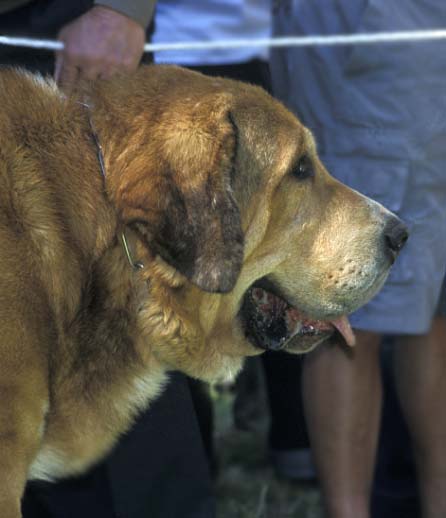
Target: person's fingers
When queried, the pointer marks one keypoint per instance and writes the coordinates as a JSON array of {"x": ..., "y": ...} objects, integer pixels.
[
  {"x": 119, "y": 58},
  {"x": 58, "y": 66},
  {"x": 90, "y": 72},
  {"x": 71, "y": 66},
  {"x": 67, "y": 76},
  {"x": 108, "y": 72},
  {"x": 131, "y": 63}
]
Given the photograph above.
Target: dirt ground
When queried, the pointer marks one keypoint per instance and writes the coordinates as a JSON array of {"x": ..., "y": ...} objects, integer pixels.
[{"x": 247, "y": 486}]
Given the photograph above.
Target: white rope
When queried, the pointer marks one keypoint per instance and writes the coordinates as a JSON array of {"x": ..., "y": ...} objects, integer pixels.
[{"x": 292, "y": 41}]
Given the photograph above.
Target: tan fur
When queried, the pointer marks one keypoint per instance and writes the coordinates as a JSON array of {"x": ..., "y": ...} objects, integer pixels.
[{"x": 193, "y": 164}]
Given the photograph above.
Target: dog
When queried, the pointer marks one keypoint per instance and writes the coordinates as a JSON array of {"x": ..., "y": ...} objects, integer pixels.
[{"x": 161, "y": 221}]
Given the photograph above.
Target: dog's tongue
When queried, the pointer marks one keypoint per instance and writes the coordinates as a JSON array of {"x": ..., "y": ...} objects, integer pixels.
[{"x": 343, "y": 326}]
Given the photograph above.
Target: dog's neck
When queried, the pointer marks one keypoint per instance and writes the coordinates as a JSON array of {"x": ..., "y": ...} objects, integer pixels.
[
  {"x": 139, "y": 286},
  {"x": 123, "y": 233},
  {"x": 112, "y": 127}
]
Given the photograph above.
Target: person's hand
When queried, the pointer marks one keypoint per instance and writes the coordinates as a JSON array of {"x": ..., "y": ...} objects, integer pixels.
[{"x": 100, "y": 43}]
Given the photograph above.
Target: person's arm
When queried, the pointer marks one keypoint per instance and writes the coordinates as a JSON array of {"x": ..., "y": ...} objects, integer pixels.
[
  {"x": 106, "y": 40},
  {"x": 139, "y": 10}
]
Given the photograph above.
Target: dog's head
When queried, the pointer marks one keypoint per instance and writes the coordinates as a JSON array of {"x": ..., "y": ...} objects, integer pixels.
[{"x": 268, "y": 251}]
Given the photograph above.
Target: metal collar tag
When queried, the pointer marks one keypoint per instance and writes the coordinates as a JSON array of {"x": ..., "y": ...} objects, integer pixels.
[{"x": 136, "y": 265}]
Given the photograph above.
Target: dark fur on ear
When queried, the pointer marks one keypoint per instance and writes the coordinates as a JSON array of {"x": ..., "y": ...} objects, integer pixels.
[{"x": 185, "y": 209}]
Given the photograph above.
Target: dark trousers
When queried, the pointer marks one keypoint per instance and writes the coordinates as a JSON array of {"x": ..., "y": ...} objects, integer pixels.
[{"x": 157, "y": 470}]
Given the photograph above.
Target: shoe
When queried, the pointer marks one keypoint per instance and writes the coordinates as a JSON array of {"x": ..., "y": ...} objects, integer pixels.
[{"x": 294, "y": 465}]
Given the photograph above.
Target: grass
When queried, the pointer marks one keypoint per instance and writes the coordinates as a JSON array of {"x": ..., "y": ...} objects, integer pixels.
[{"x": 247, "y": 486}]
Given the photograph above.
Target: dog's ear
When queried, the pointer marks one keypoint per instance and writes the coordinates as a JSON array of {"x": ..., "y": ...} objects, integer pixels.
[{"x": 183, "y": 205}]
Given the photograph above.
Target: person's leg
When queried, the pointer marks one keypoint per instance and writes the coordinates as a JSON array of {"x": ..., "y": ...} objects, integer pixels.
[
  {"x": 157, "y": 469},
  {"x": 342, "y": 396},
  {"x": 420, "y": 372},
  {"x": 395, "y": 486}
]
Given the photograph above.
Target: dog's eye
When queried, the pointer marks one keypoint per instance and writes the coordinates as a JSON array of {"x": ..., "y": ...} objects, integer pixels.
[{"x": 304, "y": 168}]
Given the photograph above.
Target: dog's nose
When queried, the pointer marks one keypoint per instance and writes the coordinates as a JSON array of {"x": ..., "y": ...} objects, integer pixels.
[{"x": 396, "y": 234}]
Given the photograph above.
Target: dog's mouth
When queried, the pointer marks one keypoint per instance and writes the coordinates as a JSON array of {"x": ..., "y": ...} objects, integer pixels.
[{"x": 271, "y": 323}]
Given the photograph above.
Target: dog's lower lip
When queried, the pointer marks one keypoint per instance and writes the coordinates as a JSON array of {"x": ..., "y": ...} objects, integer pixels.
[{"x": 271, "y": 323}]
